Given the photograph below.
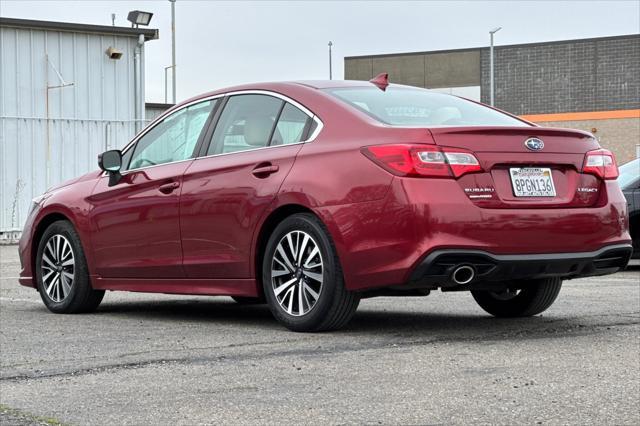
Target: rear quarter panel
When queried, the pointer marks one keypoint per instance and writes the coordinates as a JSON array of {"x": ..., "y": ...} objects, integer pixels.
[{"x": 344, "y": 188}]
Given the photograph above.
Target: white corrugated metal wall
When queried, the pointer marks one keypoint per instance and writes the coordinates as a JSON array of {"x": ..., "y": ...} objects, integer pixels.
[{"x": 97, "y": 111}]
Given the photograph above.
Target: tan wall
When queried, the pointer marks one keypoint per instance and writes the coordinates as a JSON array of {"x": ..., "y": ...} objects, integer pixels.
[
  {"x": 358, "y": 69},
  {"x": 408, "y": 69},
  {"x": 431, "y": 70},
  {"x": 454, "y": 69},
  {"x": 620, "y": 135}
]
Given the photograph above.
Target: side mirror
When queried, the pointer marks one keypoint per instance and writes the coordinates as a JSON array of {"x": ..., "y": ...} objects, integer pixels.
[{"x": 111, "y": 162}]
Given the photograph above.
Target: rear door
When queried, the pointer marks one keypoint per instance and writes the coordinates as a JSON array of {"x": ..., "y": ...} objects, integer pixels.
[
  {"x": 509, "y": 154},
  {"x": 225, "y": 192}
]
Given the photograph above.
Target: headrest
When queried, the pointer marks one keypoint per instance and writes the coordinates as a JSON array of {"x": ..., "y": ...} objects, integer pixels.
[{"x": 257, "y": 130}]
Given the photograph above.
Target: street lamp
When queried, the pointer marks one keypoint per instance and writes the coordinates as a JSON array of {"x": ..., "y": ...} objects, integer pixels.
[
  {"x": 173, "y": 49},
  {"x": 330, "y": 70},
  {"x": 165, "y": 85},
  {"x": 491, "y": 82},
  {"x": 138, "y": 17}
]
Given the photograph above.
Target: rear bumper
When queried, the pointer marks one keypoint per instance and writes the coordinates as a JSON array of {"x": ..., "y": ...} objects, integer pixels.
[
  {"x": 381, "y": 243},
  {"x": 437, "y": 268}
]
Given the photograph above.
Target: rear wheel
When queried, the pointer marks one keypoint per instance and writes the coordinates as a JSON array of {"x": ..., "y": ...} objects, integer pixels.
[
  {"x": 302, "y": 277},
  {"x": 533, "y": 299},
  {"x": 61, "y": 272}
]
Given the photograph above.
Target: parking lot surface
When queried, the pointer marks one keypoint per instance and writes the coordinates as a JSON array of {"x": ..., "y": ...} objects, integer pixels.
[{"x": 161, "y": 359}]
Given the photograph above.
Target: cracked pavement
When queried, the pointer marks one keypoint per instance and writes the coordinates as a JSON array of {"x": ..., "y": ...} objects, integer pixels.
[{"x": 161, "y": 359}]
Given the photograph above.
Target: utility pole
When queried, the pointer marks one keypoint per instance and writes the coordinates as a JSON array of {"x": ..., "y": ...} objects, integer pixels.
[
  {"x": 330, "y": 65},
  {"x": 173, "y": 48},
  {"x": 113, "y": 19},
  {"x": 166, "y": 90},
  {"x": 491, "y": 82}
]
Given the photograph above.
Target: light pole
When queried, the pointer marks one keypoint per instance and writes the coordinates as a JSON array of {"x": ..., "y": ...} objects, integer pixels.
[
  {"x": 330, "y": 70},
  {"x": 491, "y": 82},
  {"x": 173, "y": 48},
  {"x": 165, "y": 84}
]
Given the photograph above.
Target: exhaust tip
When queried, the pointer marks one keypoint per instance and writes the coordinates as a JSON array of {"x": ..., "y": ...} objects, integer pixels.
[{"x": 463, "y": 274}]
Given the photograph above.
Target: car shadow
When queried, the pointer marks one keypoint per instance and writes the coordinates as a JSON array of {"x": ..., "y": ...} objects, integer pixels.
[
  {"x": 195, "y": 310},
  {"x": 370, "y": 320},
  {"x": 463, "y": 326}
]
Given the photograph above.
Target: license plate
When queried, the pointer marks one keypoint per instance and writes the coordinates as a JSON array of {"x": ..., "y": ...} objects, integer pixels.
[{"x": 532, "y": 182}]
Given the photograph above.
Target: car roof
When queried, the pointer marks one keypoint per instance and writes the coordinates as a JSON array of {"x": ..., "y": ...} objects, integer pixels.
[
  {"x": 285, "y": 87},
  {"x": 331, "y": 84}
]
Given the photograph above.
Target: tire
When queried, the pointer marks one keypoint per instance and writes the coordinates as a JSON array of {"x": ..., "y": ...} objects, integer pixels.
[
  {"x": 61, "y": 268},
  {"x": 315, "y": 298},
  {"x": 535, "y": 298},
  {"x": 248, "y": 300}
]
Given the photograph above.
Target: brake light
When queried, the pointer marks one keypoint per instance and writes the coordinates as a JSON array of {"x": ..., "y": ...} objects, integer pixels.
[
  {"x": 601, "y": 163},
  {"x": 423, "y": 160}
]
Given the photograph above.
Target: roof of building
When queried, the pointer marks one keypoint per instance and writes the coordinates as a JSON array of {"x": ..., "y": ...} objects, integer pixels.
[
  {"x": 469, "y": 49},
  {"x": 158, "y": 105},
  {"x": 149, "y": 33}
]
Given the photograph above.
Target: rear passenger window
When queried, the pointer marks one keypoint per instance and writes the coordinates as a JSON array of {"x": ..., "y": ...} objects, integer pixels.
[
  {"x": 247, "y": 122},
  {"x": 291, "y": 126}
]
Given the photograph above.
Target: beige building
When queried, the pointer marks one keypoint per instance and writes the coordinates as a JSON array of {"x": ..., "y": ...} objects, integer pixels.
[{"x": 618, "y": 131}]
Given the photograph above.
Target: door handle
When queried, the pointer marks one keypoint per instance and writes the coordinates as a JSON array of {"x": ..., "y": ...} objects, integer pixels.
[
  {"x": 264, "y": 170},
  {"x": 168, "y": 188}
]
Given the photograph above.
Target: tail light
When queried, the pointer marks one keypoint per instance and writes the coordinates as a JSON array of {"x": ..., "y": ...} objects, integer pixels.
[
  {"x": 423, "y": 160},
  {"x": 601, "y": 163}
]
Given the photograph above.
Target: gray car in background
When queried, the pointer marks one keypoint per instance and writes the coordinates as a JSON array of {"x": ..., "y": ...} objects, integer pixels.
[{"x": 629, "y": 181}]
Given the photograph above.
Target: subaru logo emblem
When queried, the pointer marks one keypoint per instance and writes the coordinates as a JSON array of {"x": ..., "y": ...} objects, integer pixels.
[{"x": 534, "y": 144}]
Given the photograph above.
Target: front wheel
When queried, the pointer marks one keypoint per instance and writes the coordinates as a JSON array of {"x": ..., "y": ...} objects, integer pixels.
[
  {"x": 62, "y": 274},
  {"x": 531, "y": 300},
  {"x": 302, "y": 277}
]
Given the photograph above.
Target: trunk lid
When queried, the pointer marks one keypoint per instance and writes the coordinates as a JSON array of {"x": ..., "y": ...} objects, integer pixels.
[{"x": 501, "y": 151}]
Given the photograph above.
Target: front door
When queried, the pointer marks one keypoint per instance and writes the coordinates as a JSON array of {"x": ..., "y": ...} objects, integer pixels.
[{"x": 135, "y": 223}]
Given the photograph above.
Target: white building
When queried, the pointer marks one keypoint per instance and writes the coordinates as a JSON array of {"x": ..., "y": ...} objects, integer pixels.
[{"x": 67, "y": 93}]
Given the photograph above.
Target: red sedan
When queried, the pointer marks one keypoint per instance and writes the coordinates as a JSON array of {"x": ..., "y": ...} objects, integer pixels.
[{"x": 313, "y": 195}]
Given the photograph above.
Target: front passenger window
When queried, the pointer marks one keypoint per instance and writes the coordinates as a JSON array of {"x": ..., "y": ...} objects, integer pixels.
[{"x": 173, "y": 139}]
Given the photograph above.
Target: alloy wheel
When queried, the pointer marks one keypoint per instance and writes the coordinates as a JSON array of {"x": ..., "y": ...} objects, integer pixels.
[
  {"x": 57, "y": 267},
  {"x": 297, "y": 273}
]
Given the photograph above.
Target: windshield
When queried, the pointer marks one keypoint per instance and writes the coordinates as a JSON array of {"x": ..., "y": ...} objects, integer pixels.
[
  {"x": 629, "y": 173},
  {"x": 405, "y": 106}
]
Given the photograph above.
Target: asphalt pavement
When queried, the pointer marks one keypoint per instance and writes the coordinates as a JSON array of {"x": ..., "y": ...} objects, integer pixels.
[{"x": 161, "y": 359}]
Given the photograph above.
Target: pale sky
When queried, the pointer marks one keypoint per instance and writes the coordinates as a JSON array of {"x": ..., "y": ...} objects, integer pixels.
[{"x": 222, "y": 43}]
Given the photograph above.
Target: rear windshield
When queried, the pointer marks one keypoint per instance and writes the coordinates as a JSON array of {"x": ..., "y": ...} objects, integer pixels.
[{"x": 404, "y": 106}]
